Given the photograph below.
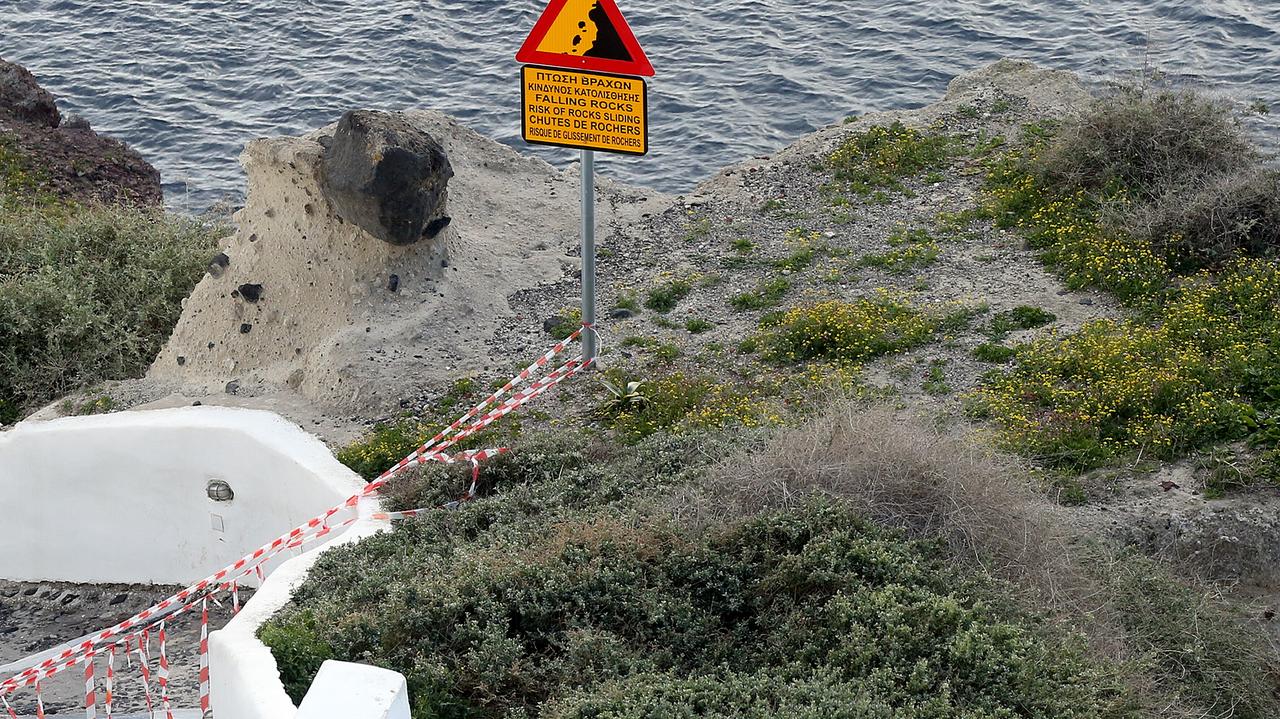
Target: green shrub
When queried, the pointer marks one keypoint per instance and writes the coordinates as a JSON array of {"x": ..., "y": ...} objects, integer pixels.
[
  {"x": 698, "y": 326},
  {"x": 627, "y": 301},
  {"x": 679, "y": 402},
  {"x": 993, "y": 353},
  {"x": 768, "y": 294},
  {"x": 1194, "y": 647},
  {"x": 299, "y": 651},
  {"x": 389, "y": 442},
  {"x": 935, "y": 378},
  {"x": 1022, "y": 317},
  {"x": 1144, "y": 184},
  {"x": 912, "y": 249},
  {"x": 666, "y": 296},
  {"x": 89, "y": 294},
  {"x": 20, "y": 176},
  {"x": 598, "y": 616},
  {"x": 853, "y": 331},
  {"x": 882, "y": 156}
]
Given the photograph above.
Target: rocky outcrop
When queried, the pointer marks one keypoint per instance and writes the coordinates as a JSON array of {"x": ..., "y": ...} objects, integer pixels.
[
  {"x": 68, "y": 159},
  {"x": 387, "y": 176},
  {"x": 23, "y": 98},
  {"x": 307, "y": 300}
]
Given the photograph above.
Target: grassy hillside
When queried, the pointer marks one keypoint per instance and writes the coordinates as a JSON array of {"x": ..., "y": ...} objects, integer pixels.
[
  {"x": 87, "y": 293},
  {"x": 717, "y": 536}
]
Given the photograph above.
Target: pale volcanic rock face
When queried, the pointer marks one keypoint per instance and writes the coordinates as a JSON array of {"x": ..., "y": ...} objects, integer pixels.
[{"x": 351, "y": 323}]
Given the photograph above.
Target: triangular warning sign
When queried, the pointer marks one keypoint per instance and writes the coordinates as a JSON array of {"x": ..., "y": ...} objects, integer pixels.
[{"x": 585, "y": 35}]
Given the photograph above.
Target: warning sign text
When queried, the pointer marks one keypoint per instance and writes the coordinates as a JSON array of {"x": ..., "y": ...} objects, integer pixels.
[{"x": 570, "y": 108}]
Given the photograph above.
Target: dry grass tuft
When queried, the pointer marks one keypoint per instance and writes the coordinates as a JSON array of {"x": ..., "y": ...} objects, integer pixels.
[{"x": 900, "y": 473}]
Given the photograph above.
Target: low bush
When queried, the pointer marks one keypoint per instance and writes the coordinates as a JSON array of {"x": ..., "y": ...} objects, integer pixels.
[
  {"x": 1186, "y": 653},
  {"x": 697, "y": 326},
  {"x": 1144, "y": 185},
  {"x": 1022, "y": 317},
  {"x": 1207, "y": 373},
  {"x": 913, "y": 249},
  {"x": 882, "y": 156},
  {"x": 897, "y": 472},
  {"x": 769, "y": 293},
  {"x": 89, "y": 294},
  {"x": 993, "y": 353},
  {"x": 389, "y": 442},
  {"x": 1144, "y": 142},
  {"x": 664, "y": 297},
  {"x": 601, "y": 615},
  {"x": 1205, "y": 657},
  {"x": 679, "y": 402},
  {"x": 1208, "y": 220},
  {"x": 858, "y": 330}
]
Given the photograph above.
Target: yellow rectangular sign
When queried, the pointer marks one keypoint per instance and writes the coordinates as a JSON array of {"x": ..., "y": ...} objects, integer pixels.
[{"x": 585, "y": 110}]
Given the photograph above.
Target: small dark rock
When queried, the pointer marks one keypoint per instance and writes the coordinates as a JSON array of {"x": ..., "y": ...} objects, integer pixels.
[
  {"x": 436, "y": 226},
  {"x": 76, "y": 122},
  {"x": 197, "y": 403},
  {"x": 181, "y": 360},
  {"x": 1087, "y": 302},
  {"x": 219, "y": 264},
  {"x": 386, "y": 175},
  {"x": 621, "y": 313},
  {"x": 119, "y": 598},
  {"x": 444, "y": 263},
  {"x": 250, "y": 293},
  {"x": 233, "y": 386},
  {"x": 393, "y": 283},
  {"x": 246, "y": 328},
  {"x": 1269, "y": 614}
]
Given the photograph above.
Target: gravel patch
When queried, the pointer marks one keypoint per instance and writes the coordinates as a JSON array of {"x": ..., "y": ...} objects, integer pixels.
[{"x": 37, "y": 616}]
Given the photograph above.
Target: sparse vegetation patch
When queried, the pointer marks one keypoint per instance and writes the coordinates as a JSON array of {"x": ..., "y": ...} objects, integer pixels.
[{"x": 881, "y": 157}]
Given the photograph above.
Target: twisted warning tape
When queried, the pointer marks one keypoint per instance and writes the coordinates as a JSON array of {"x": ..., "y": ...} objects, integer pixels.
[{"x": 317, "y": 527}]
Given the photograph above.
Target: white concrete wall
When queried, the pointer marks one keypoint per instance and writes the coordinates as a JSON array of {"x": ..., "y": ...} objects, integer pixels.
[
  {"x": 244, "y": 680},
  {"x": 122, "y": 498}
]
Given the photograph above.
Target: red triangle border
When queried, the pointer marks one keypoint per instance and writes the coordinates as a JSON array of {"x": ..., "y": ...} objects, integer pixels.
[{"x": 530, "y": 55}]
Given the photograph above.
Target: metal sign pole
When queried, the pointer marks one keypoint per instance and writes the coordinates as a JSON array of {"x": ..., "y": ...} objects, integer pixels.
[{"x": 590, "y": 345}]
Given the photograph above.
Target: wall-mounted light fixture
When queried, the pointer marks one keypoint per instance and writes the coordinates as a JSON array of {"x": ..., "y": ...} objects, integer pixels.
[{"x": 219, "y": 491}]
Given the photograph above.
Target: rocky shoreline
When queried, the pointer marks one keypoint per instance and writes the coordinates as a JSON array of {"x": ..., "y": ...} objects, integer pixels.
[{"x": 64, "y": 156}]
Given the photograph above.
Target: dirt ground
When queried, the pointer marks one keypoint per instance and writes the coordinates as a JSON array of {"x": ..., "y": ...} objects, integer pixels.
[{"x": 37, "y": 616}]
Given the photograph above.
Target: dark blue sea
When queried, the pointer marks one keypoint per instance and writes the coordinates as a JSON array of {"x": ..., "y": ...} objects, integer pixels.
[{"x": 188, "y": 82}]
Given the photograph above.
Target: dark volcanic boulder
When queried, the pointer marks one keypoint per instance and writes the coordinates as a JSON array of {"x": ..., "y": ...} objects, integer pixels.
[
  {"x": 387, "y": 176},
  {"x": 68, "y": 160},
  {"x": 23, "y": 98}
]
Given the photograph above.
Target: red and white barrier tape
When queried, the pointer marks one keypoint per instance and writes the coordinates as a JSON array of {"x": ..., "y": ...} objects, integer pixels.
[
  {"x": 164, "y": 675},
  {"x": 143, "y": 651},
  {"x": 204, "y": 657},
  {"x": 90, "y": 697},
  {"x": 109, "y": 688},
  {"x": 138, "y": 626}
]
